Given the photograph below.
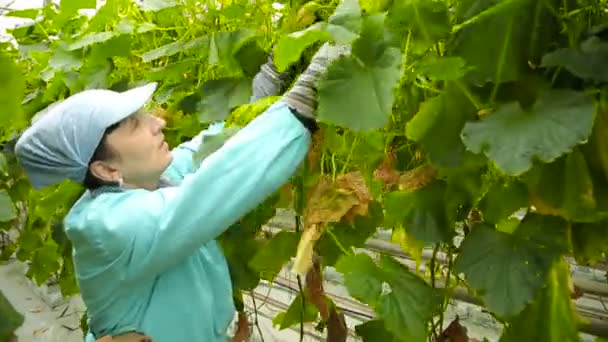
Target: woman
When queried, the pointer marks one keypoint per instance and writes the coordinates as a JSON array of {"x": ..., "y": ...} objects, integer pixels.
[{"x": 145, "y": 254}]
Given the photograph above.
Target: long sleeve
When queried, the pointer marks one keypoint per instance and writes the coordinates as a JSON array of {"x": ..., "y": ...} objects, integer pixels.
[{"x": 150, "y": 231}]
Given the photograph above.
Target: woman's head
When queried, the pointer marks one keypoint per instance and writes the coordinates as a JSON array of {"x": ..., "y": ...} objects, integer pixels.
[
  {"x": 96, "y": 137},
  {"x": 132, "y": 152}
]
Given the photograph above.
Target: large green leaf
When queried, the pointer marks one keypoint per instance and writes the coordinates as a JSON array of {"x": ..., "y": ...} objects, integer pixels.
[
  {"x": 410, "y": 303},
  {"x": 442, "y": 116},
  {"x": 423, "y": 212},
  {"x": 289, "y": 48},
  {"x": 274, "y": 254},
  {"x": 361, "y": 276},
  {"x": 343, "y": 27},
  {"x": 223, "y": 46},
  {"x": 502, "y": 200},
  {"x": 10, "y": 319},
  {"x": 12, "y": 89},
  {"x": 402, "y": 300},
  {"x": 357, "y": 91},
  {"x": 90, "y": 39},
  {"x": 344, "y": 24},
  {"x": 508, "y": 269},
  {"x": 513, "y": 137},
  {"x": 501, "y": 37},
  {"x": 590, "y": 241},
  {"x": 374, "y": 330},
  {"x": 221, "y": 96},
  {"x": 299, "y": 309},
  {"x": 238, "y": 253},
  {"x": 45, "y": 262},
  {"x": 349, "y": 235},
  {"x": 443, "y": 68},
  {"x": 587, "y": 61},
  {"x": 575, "y": 198},
  {"x": 212, "y": 142},
  {"x": 72, "y": 6},
  {"x": 176, "y": 47},
  {"x": 7, "y": 208},
  {"x": 427, "y": 20},
  {"x": 551, "y": 317}
]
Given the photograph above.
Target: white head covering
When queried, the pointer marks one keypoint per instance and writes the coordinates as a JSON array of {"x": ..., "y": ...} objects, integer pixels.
[{"x": 62, "y": 139}]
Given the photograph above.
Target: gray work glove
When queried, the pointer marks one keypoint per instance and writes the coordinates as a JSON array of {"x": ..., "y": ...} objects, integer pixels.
[
  {"x": 303, "y": 95},
  {"x": 268, "y": 81}
]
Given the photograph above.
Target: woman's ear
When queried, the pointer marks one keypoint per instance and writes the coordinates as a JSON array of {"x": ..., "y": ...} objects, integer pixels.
[{"x": 104, "y": 171}]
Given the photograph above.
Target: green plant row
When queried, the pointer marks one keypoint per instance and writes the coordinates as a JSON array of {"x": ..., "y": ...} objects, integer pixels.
[{"x": 482, "y": 118}]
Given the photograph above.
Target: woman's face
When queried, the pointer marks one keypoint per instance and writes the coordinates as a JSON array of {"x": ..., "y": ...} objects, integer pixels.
[{"x": 140, "y": 153}]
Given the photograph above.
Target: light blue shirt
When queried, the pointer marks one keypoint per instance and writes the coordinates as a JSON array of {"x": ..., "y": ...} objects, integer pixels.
[{"x": 148, "y": 261}]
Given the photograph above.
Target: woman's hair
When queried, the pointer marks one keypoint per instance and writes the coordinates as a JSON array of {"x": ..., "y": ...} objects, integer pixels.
[{"x": 102, "y": 152}]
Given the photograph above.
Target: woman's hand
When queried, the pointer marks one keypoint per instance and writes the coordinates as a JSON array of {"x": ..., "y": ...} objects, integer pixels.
[{"x": 303, "y": 96}]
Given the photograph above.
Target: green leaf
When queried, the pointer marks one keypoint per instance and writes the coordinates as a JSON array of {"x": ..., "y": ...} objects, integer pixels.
[
  {"x": 502, "y": 200},
  {"x": 574, "y": 199},
  {"x": 175, "y": 48},
  {"x": 12, "y": 89},
  {"x": 443, "y": 68},
  {"x": 223, "y": 46},
  {"x": 357, "y": 96},
  {"x": 374, "y": 330},
  {"x": 361, "y": 276},
  {"x": 250, "y": 57},
  {"x": 405, "y": 302},
  {"x": 30, "y": 13},
  {"x": 344, "y": 24},
  {"x": 501, "y": 37},
  {"x": 590, "y": 242},
  {"x": 90, "y": 39},
  {"x": 410, "y": 303},
  {"x": 271, "y": 257},
  {"x": 464, "y": 187},
  {"x": 421, "y": 212},
  {"x": 238, "y": 253},
  {"x": 72, "y": 6},
  {"x": 295, "y": 312},
  {"x": 61, "y": 61},
  {"x": 212, "y": 142},
  {"x": 427, "y": 20},
  {"x": 509, "y": 269},
  {"x": 372, "y": 43},
  {"x": 289, "y": 48},
  {"x": 586, "y": 61},
  {"x": 10, "y": 320},
  {"x": 117, "y": 46},
  {"x": 442, "y": 116},
  {"x": 45, "y": 262},
  {"x": 349, "y": 235},
  {"x": 513, "y": 137},
  {"x": 221, "y": 96},
  {"x": 156, "y": 5},
  {"x": 7, "y": 208},
  {"x": 551, "y": 317}
]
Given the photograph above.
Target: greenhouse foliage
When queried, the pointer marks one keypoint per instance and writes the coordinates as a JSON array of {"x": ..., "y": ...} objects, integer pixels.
[{"x": 448, "y": 118}]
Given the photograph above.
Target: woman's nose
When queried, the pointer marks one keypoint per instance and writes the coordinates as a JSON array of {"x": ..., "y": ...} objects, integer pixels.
[{"x": 159, "y": 124}]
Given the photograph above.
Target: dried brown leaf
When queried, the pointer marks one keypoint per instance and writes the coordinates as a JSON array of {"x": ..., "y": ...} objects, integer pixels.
[
  {"x": 417, "y": 178},
  {"x": 455, "y": 332},
  {"x": 331, "y": 201}
]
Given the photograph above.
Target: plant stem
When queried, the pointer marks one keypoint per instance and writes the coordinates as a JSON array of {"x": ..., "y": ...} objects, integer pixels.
[
  {"x": 433, "y": 263},
  {"x": 338, "y": 243},
  {"x": 298, "y": 223},
  {"x": 255, "y": 311},
  {"x": 302, "y": 308}
]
